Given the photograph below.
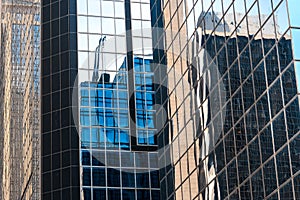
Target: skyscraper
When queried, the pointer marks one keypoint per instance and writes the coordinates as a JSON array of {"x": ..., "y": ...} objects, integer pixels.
[
  {"x": 98, "y": 115},
  {"x": 20, "y": 100},
  {"x": 204, "y": 105},
  {"x": 238, "y": 136}
]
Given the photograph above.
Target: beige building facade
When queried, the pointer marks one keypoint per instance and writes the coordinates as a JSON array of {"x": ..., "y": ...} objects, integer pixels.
[{"x": 19, "y": 123}]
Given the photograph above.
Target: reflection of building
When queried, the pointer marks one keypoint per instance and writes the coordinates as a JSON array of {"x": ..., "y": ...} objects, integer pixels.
[
  {"x": 245, "y": 138},
  {"x": 19, "y": 100},
  {"x": 111, "y": 167},
  {"x": 110, "y": 152}
]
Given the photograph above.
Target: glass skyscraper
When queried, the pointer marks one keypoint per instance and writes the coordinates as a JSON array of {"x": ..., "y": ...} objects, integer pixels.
[
  {"x": 234, "y": 132},
  {"x": 110, "y": 167},
  {"x": 98, "y": 95},
  {"x": 170, "y": 99}
]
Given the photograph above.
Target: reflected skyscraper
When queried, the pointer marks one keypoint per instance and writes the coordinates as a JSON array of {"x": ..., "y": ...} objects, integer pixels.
[{"x": 237, "y": 67}]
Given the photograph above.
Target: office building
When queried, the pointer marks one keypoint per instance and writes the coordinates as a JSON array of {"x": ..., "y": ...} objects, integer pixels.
[
  {"x": 98, "y": 119},
  {"x": 19, "y": 100},
  {"x": 125, "y": 173},
  {"x": 223, "y": 76},
  {"x": 233, "y": 107}
]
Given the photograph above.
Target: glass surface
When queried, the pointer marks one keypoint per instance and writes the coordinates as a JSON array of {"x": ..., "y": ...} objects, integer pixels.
[
  {"x": 136, "y": 10},
  {"x": 82, "y": 42},
  {"x": 265, "y": 8},
  {"x": 107, "y": 8},
  {"x": 253, "y": 20},
  {"x": 93, "y": 7},
  {"x": 119, "y": 9},
  {"x": 295, "y": 41},
  {"x": 145, "y": 10},
  {"x": 297, "y": 68},
  {"x": 293, "y": 13},
  {"x": 82, "y": 7},
  {"x": 108, "y": 26},
  {"x": 94, "y": 25},
  {"x": 281, "y": 18}
]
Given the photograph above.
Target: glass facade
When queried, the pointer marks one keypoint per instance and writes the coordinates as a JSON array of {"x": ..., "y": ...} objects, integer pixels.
[
  {"x": 98, "y": 94},
  {"x": 110, "y": 169},
  {"x": 234, "y": 132},
  {"x": 116, "y": 114},
  {"x": 59, "y": 136},
  {"x": 186, "y": 99}
]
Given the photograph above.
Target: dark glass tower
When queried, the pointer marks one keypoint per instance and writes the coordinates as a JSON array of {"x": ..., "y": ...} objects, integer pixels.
[{"x": 59, "y": 136}]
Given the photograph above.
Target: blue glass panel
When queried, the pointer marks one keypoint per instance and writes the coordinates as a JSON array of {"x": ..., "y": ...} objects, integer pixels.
[
  {"x": 96, "y": 116},
  {"x": 124, "y": 139},
  {"x": 97, "y": 99},
  {"x": 84, "y": 116},
  {"x": 149, "y": 100},
  {"x": 142, "y": 137},
  {"x": 84, "y": 101},
  {"x": 151, "y": 138},
  {"x": 150, "y": 119},
  {"x": 140, "y": 98},
  {"x": 122, "y": 100},
  {"x": 141, "y": 118},
  {"x": 97, "y": 138},
  {"x": 93, "y": 93},
  {"x": 139, "y": 80},
  {"x": 112, "y": 137},
  {"x": 85, "y": 137},
  {"x": 93, "y": 85},
  {"x": 109, "y": 118},
  {"x": 123, "y": 118}
]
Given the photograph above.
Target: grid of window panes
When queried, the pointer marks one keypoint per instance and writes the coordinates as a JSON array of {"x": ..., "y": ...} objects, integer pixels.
[
  {"x": 110, "y": 169},
  {"x": 253, "y": 43},
  {"x": 144, "y": 95},
  {"x": 59, "y": 136}
]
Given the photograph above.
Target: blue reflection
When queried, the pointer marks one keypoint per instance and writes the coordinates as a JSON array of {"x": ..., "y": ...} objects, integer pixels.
[
  {"x": 105, "y": 104},
  {"x": 144, "y": 97}
]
